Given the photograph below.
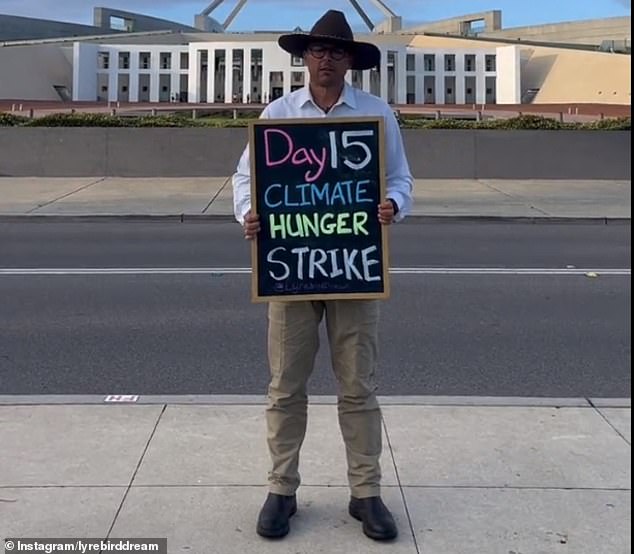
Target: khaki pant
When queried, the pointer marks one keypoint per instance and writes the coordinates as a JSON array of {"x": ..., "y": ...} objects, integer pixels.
[{"x": 293, "y": 341}]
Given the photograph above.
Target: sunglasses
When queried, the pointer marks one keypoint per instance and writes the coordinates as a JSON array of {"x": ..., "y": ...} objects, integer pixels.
[{"x": 318, "y": 52}]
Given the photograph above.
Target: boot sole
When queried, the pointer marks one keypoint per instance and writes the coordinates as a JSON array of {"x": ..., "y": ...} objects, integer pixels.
[
  {"x": 367, "y": 532},
  {"x": 276, "y": 533}
]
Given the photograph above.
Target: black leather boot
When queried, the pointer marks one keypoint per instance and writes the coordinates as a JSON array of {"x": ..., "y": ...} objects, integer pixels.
[
  {"x": 274, "y": 515},
  {"x": 378, "y": 523}
]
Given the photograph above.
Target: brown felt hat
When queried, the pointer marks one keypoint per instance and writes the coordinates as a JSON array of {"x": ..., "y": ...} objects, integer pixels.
[{"x": 332, "y": 27}]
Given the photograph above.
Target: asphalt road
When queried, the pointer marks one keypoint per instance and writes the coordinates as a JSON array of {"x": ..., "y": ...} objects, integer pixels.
[{"x": 498, "y": 334}]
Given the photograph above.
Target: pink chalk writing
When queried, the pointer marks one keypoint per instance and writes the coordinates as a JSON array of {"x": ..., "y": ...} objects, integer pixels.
[{"x": 298, "y": 157}]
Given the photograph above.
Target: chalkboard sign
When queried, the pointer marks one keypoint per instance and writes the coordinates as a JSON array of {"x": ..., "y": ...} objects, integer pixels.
[{"x": 316, "y": 185}]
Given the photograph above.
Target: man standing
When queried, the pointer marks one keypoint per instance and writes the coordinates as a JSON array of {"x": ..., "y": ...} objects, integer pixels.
[{"x": 329, "y": 51}]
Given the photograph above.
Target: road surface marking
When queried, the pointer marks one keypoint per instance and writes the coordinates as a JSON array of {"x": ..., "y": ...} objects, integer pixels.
[{"x": 247, "y": 271}]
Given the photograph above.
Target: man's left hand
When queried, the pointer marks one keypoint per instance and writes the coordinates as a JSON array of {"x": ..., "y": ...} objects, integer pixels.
[{"x": 386, "y": 212}]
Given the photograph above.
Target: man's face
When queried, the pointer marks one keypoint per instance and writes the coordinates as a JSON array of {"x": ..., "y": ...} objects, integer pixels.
[{"x": 327, "y": 63}]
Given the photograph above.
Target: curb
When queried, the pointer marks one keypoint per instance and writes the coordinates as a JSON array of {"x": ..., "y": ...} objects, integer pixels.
[
  {"x": 189, "y": 218},
  {"x": 260, "y": 400}
]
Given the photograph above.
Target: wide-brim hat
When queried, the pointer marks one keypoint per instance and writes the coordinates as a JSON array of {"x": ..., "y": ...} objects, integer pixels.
[{"x": 332, "y": 27}]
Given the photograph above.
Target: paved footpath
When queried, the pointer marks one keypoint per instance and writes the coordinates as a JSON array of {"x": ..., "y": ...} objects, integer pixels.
[
  {"x": 462, "y": 476},
  {"x": 205, "y": 197}
]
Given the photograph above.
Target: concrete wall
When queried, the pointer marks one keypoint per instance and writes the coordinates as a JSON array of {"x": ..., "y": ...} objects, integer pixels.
[
  {"x": 459, "y": 25},
  {"x": 84, "y": 76},
  {"x": 26, "y": 28},
  {"x": 437, "y": 154},
  {"x": 593, "y": 31},
  {"x": 136, "y": 22},
  {"x": 586, "y": 77},
  {"x": 30, "y": 72},
  {"x": 509, "y": 80}
]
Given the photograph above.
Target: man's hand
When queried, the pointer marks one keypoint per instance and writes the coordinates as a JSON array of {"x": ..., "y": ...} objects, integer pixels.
[
  {"x": 251, "y": 225},
  {"x": 386, "y": 212}
]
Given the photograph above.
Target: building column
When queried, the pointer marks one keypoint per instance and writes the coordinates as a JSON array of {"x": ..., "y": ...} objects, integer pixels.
[
  {"x": 419, "y": 84},
  {"x": 246, "y": 76},
  {"x": 366, "y": 80},
  {"x": 440, "y": 78},
  {"x": 228, "y": 75},
  {"x": 460, "y": 78},
  {"x": 193, "y": 93},
  {"x": 133, "y": 87},
  {"x": 155, "y": 64},
  {"x": 266, "y": 83},
  {"x": 211, "y": 76},
  {"x": 113, "y": 82},
  {"x": 286, "y": 75},
  {"x": 481, "y": 84},
  {"x": 384, "y": 75},
  {"x": 175, "y": 78},
  {"x": 400, "y": 78}
]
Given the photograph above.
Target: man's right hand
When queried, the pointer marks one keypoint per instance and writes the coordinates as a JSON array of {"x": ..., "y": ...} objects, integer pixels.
[{"x": 251, "y": 225}]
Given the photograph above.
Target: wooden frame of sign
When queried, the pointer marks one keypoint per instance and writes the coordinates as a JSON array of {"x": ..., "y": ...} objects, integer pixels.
[{"x": 299, "y": 169}]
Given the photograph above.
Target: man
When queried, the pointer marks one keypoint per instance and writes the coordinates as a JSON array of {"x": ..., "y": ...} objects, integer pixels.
[{"x": 329, "y": 51}]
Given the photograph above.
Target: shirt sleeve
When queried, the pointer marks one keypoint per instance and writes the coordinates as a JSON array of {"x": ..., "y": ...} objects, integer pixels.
[
  {"x": 399, "y": 178},
  {"x": 241, "y": 181}
]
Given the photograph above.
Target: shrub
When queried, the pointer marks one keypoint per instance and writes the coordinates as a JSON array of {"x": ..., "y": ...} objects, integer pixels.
[
  {"x": 535, "y": 122},
  {"x": 10, "y": 120},
  {"x": 226, "y": 120},
  {"x": 79, "y": 120},
  {"x": 611, "y": 124}
]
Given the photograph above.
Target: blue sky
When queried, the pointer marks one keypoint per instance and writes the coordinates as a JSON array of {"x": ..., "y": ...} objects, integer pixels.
[{"x": 288, "y": 14}]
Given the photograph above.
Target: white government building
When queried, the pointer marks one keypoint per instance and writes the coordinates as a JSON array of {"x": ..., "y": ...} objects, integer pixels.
[
  {"x": 469, "y": 59},
  {"x": 260, "y": 71}
]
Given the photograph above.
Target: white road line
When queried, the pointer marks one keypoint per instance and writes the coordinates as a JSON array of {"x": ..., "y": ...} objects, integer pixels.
[{"x": 247, "y": 271}]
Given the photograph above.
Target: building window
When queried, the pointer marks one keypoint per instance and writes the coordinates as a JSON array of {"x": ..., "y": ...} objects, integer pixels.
[
  {"x": 166, "y": 60},
  {"x": 430, "y": 62},
  {"x": 124, "y": 60},
  {"x": 124, "y": 88},
  {"x": 489, "y": 62},
  {"x": 104, "y": 60},
  {"x": 104, "y": 89},
  {"x": 297, "y": 61},
  {"x": 469, "y": 62},
  {"x": 144, "y": 89},
  {"x": 430, "y": 90},
  {"x": 145, "y": 60},
  {"x": 410, "y": 62},
  {"x": 489, "y": 91},
  {"x": 449, "y": 91},
  {"x": 450, "y": 62},
  {"x": 184, "y": 60},
  {"x": 469, "y": 91}
]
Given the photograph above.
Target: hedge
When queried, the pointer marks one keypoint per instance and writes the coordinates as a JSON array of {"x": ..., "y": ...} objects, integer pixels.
[{"x": 181, "y": 120}]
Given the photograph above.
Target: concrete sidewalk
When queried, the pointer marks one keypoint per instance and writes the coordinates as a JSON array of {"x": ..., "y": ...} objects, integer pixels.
[
  {"x": 462, "y": 476},
  {"x": 212, "y": 197}
]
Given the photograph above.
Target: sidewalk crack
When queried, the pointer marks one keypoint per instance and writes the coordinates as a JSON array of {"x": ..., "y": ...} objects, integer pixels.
[
  {"x": 601, "y": 414},
  {"x": 136, "y": 470},
  {"x": 400, "y": 487},
  {"x": 216, "y": 195},
  {"x": 65, "y": 195},
  {"x": 514, "y": 197}
]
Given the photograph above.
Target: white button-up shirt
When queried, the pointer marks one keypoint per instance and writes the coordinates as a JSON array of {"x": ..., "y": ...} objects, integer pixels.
[{"x": 352, "y": 103}]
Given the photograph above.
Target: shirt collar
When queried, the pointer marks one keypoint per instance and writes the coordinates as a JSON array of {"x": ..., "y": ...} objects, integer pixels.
[{"x": 347, "y": 97}]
